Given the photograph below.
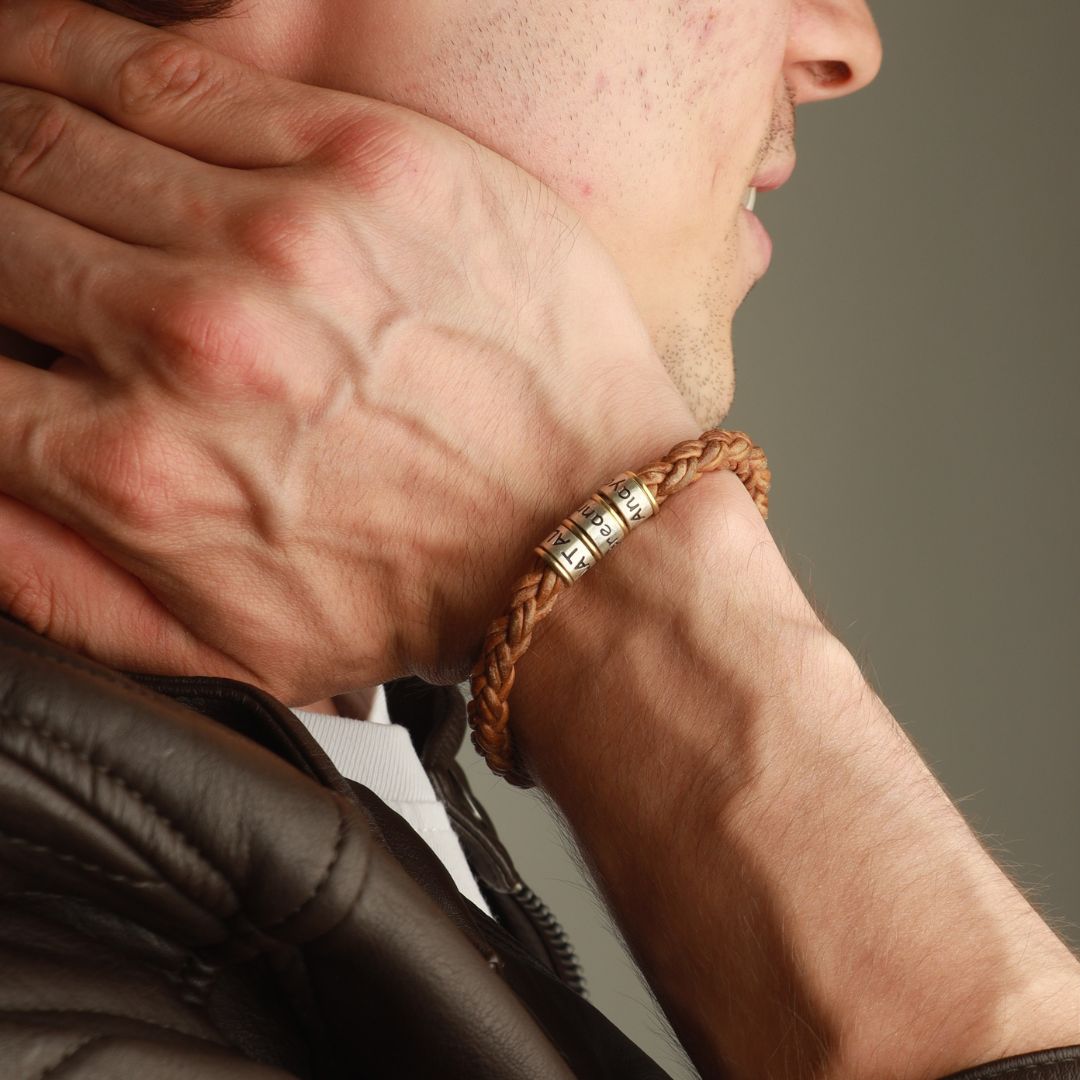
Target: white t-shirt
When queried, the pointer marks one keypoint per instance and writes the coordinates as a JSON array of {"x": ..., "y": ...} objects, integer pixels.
[{"x": 379, "y": 754}]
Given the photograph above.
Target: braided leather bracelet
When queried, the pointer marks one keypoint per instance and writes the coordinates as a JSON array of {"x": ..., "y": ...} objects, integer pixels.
[{"x": 570, "y": 550}]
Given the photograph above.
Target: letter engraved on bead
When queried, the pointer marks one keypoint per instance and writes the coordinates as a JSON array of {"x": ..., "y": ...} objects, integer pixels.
[{"x": 630, "y": 497}]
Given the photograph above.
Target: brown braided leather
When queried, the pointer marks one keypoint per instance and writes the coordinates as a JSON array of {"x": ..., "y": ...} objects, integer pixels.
[{"x": 534, "y": 594}]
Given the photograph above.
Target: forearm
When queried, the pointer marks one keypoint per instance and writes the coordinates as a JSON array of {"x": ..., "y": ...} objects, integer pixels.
[{"x": 798, "y": 890}]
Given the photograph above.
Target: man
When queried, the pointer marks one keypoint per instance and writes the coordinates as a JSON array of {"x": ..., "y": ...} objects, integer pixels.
[{"x": 800, "y": 894}]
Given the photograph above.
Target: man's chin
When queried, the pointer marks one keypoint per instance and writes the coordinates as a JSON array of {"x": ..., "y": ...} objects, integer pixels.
[
  {"x": 712, "y": 413},
  {"x": 701, "y": 363}
]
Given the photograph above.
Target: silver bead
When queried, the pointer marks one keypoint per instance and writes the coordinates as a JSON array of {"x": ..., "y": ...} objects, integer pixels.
[
  {"x": 597, "y": 521},
  {"x": 566, "y": 553},
  {"x": 634, "y": 502}
]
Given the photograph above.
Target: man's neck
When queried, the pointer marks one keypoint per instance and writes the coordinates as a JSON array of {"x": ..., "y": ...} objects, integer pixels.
[{"x": 357, "y": 704}]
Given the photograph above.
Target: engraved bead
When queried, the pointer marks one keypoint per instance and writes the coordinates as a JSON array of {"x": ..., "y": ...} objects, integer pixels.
[
  {"x": 600, "y": 523},
  {"x": 567, "y": 553},
  {"x": 630, "y": 497}
]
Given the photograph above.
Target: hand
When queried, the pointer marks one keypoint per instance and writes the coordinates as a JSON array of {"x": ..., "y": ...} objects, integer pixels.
[{"x": 329, "y": 369}]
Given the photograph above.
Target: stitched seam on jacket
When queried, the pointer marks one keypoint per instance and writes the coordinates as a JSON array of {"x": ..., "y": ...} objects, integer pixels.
[
  {"x": 324, "y": 879},
  {"x": 240, "y": 921},
  {"x": 42, "y": 731},
  {"x": 188, "y": 971},
  {"x": 243, "y": 924},
  {"x": 63, "y": 856},
  {"x": 117, "y": 681},
  {"x": 250, "y": 928}
]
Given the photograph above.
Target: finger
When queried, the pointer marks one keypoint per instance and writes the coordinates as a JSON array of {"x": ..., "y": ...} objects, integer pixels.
[
  {"x": 166, "y": 87},
  {"x": 54, "y": 582},
  {"x": 62, "y": 284},
  {"x": 68, "y": 160},
  {"x": 22, "y": 389},
  {"x": 27, "y": 397}
]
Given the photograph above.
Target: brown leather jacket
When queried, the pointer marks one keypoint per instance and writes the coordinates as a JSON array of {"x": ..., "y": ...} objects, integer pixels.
[{"x": 191, "y": 890}]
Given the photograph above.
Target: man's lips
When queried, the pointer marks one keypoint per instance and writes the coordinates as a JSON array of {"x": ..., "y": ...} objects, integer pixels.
[
  {"x": 771, "y": 176},
  {"x": 774, "y": 175}
]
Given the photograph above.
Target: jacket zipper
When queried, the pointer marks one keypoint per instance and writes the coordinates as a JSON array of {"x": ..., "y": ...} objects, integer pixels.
[
  {"x": 501, "y": 876},
  {"x": 568, "y": 966}
]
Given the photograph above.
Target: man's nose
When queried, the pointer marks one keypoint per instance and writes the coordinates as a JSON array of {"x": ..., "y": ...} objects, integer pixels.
[{"x": 833, "y": 49}]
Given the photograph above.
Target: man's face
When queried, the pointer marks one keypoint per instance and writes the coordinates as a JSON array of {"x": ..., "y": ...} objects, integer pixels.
[{"x": 652, "y": 118}]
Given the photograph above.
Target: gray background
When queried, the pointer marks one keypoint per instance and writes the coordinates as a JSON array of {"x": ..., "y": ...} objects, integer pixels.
[{"x": 910, "y": 367}]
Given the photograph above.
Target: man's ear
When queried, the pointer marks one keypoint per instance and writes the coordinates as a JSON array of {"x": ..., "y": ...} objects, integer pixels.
[{"x": 16, "y": 347}]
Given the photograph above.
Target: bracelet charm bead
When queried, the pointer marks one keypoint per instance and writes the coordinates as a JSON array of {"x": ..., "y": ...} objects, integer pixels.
[
  {"x": 601, "y": 524},
  {"x": 634, "y": 502},
  {"x": 566, "y": 553}
]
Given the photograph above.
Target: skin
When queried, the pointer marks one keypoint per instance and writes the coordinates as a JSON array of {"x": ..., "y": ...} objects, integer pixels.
[
  {"x": 869, "y": 937},
  {"x": 243, "y": 275},
  {"x": 727, "y": 126},
  {"x": 651, "y": 127},
  {"x": 650, "y": 119},
  {"x": 798, "y": 890}
]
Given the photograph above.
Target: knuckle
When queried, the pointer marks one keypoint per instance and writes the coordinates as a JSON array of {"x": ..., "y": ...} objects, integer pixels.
[
  {"x": 132, "y": 477},
  {"x": 33, "y": 126},
  {"x": 166, "y": 74},
  {"x": 379, "y": 153},
  {"x": 48, "y": 42},
  {"x": 214, "y": 344},
  {"x": 287, "y": 237}
]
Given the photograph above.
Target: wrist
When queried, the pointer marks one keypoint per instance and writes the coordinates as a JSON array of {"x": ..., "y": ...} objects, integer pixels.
[
  {"x": 720, "y": 758},
  {"x": 484, "y": 548},
  {"x": 699, "y": 593}
]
